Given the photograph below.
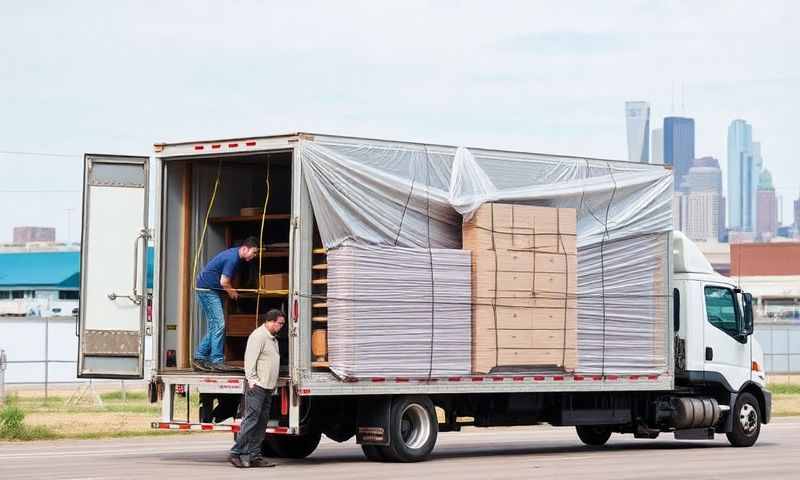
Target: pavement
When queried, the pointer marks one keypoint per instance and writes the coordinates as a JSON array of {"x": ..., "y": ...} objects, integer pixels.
[{"x": 508, "y": 453}]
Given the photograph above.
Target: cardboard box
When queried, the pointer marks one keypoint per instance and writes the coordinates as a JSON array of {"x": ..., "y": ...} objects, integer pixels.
[
  {"x": 274, "y": 281},
  {"x": 524, "y": 284}
]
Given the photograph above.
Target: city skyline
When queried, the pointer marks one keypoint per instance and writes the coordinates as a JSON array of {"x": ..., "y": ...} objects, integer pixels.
[{"x": 637, "y": 122}]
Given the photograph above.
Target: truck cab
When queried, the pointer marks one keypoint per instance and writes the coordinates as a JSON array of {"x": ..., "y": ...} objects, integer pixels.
[{"x": 715, "y": 351}]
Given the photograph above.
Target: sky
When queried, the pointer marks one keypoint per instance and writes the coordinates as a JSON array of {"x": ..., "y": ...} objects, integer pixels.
[{"x": 552, "y": 77}]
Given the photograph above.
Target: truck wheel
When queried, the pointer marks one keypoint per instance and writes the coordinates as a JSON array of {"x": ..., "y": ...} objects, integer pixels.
[
  {"x": 291, "y": 446},
  {"x": 592, "y": 435},
  {"x": 413, "y": 430},
  {"x": 746, "y": 421}
]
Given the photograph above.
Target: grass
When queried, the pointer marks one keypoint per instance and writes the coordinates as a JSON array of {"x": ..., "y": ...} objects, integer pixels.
[
  {"x": 784, "y": 389},
  {"x": 13, "y": 426}
]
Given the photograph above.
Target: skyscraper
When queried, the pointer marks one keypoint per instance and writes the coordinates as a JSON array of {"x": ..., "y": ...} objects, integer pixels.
[
  {"x": 637, "y": 122},
  {"x": 679, "y": 146},
  {"x": 703, "y": 190},
  {"x": 657, "y": 155},
  {"x": 767, "y": 216},
  {"x": 797, "y": 217},
  {"x": 743, "y": 173}
]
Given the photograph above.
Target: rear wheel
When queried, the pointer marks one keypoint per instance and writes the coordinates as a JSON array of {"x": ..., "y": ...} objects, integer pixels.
[
  {"x": 746, "y": 421},
  {"x": 413, "y": 430},
  {"x": 290, "y": 446},
  {"x": 592, "y": 435}
]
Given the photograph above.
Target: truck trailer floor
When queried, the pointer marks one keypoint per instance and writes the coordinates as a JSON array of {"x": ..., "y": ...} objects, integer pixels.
[{"x": 519, "y": 452}]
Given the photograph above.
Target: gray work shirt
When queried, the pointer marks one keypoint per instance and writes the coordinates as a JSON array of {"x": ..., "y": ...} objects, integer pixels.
[{"x": 262, "y": 359}]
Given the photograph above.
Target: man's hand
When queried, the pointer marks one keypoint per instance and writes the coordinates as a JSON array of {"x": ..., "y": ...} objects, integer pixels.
[
  {"x": 226, "y": 284},
  {"x": 233, "y": 294}
]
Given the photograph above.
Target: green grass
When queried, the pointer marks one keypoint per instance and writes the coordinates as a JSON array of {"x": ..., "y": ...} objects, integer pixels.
[
  {"x": 784, "y": 389},
  {"x": 13, "y": 427}
]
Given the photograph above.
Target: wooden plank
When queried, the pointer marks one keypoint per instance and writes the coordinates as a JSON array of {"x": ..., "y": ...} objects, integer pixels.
[{"x": 183, "y": 354}]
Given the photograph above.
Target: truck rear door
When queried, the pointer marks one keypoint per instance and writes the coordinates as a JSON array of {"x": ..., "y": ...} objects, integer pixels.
[{"x": 113, "y": 296}]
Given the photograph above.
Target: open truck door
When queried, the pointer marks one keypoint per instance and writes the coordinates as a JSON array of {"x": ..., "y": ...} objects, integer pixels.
[{"x": 113, "y": 293}]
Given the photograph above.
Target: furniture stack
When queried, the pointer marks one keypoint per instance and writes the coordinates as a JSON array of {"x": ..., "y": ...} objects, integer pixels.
[{"x": 524, "y": 282}]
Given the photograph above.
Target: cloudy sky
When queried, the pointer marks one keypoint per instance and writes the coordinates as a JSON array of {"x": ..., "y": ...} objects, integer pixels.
[{"x": 539, "y": 76}]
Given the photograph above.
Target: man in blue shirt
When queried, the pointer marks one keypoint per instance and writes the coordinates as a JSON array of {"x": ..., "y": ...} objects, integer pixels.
[{"x": 216, "y": 277}]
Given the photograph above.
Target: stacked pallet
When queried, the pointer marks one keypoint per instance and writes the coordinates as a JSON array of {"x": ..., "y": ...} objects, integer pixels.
[
  {"x": 524, "y": 267},
  {"x": 398, "y": 312}
]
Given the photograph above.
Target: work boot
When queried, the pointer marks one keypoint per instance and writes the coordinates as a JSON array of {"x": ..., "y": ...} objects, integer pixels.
[
  {"x": 202, "y": 365},
  {"x": 238, "y": 461},
  {"x": 261, "y": 462}
]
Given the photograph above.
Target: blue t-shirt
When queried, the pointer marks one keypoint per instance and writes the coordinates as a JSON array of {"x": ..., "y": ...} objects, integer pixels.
[{"x": 224, "y": 263}]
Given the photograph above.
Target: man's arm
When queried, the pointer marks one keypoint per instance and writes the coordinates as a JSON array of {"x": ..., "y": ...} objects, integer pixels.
[
  {"x": 254, "y": 345},
  {"x": 225, "y": 281}
]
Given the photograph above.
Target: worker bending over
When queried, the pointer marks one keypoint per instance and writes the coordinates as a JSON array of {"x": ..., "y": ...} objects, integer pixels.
[{"x": 216, "y": 277}]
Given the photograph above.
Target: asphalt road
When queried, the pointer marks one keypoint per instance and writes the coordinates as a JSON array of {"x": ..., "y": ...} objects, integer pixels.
[{"x": 520, "y": 452}]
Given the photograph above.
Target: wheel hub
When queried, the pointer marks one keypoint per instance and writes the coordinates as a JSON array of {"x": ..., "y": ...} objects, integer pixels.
[
  {"x": 415, "y": 426},
  {"x": 748, "y": 417}
]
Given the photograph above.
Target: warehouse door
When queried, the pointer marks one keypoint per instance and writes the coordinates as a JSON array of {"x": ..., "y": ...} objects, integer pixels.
[{"x": 113, "y": 296}]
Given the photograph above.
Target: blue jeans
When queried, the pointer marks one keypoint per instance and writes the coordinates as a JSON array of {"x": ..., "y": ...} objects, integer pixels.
[{"x": 210, "y": 348}]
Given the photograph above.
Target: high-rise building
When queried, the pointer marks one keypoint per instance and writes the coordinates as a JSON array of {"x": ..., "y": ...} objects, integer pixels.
[
  {"x": 657, "y": 155},
  {"x": 637, "y": 122},
  {"x": 767, "y": 216},
  {"x": 34, "y": 234},
  {"x": 705, "y": 217},
  {"x": 680, "y": 212},
  {"x": 744, "y": 161},
  {"x": 702, "y": 216},
  {"x": 679, "y": 146}
]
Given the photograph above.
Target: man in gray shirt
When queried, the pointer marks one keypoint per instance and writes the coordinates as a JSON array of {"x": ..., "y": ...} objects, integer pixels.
[{"x": 261, "y": 367}]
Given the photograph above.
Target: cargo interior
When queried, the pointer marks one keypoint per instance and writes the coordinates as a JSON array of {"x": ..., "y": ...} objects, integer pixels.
[{"x": 243, "y": 183}]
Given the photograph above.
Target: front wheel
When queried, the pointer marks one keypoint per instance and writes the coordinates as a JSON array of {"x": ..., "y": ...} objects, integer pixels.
[
  {"x": 746, "y": 421},
  {"x": 593, "y": 436}
]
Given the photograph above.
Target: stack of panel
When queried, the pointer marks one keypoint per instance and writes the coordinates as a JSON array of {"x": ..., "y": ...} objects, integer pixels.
[
  {"x": 524, "y": 277},
  {"x": 398, "y": 312}
]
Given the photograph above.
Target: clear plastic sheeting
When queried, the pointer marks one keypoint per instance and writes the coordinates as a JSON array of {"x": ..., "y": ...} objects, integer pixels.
[
  {"x": 622, "y": 309},
  {"x": 398, "y": 312},
  {"x": 381, "y": 193}
]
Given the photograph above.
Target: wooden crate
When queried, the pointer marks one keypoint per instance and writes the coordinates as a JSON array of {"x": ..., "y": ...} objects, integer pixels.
[{"x": 242, "y": 324}]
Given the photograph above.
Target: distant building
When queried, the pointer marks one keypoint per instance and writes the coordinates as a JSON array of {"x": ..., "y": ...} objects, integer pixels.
[
  {"x": 657, "y": 155},
  {"x": 637, "y": 122},
  {"x": 767, "y": 203},
  {"x": 44, "y": 283},
  {"x": 705, "y": 211},
  {"x": 743, "y": 172},
  {"x": 34, "y": 234},
  {"x": 679, "y": 146},
  {"x": 797, "y": 217},
  {"x": 771, "y": 272}
]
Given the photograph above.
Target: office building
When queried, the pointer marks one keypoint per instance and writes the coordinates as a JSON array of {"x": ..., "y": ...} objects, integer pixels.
[
  {"x": 767, "y": 203},
  {"x": 743, "y": 172},
  {"x": 34, "y": 234},
  {"x": 679, "y": 147},
  {"x": 657, "y": 155},
  {"x": 637, "y": 122}
]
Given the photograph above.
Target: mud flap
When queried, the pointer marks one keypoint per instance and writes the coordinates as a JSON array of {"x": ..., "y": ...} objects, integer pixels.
[{"x": 374, "y": 420}]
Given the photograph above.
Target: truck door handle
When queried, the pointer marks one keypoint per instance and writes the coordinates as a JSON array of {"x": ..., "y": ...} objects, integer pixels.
[{"x": 709, "y": 354}]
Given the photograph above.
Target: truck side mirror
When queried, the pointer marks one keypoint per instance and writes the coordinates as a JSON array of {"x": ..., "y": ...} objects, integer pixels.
[{"x": 747, "y": 325}]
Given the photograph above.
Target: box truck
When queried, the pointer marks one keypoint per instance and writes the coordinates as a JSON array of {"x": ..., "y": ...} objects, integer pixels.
[{"x": 389, "y": 339}]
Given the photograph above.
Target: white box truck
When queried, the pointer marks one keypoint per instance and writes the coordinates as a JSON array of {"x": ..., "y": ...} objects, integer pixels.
[{"x": 674, "y": 354}]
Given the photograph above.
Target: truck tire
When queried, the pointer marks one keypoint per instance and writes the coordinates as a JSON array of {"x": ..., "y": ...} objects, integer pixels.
[
  {"x": 746, "y": 421},
  {"x": 593, "y": 436},
  {"x": 374, "y": 453},
  {"x": 413, "y": 430},
  {"x": 290, "y": 446}
]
